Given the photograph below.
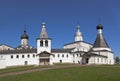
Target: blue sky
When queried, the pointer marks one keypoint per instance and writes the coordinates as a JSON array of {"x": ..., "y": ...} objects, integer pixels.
[{"x": 61, "y": 17}]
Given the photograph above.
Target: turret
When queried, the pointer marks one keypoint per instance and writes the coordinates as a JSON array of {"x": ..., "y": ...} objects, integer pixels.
[
  {"x": 78, "y": 34},
  {"x": 24, "y": 39}
]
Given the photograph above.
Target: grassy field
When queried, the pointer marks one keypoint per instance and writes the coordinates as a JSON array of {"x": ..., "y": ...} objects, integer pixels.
[{"x": 76, "y": 73}]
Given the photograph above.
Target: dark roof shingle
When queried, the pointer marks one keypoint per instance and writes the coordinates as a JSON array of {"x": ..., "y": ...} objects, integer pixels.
[{"x": 100, "y": 41}]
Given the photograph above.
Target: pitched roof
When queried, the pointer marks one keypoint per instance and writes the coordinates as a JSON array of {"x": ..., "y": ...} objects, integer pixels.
[
  {"x": 94, "y": 54},
  {"x": 18, "y": 51},
  {"x": 60, "y": 50},
  {"x": 77, "y": 42},
  {"x": 100, "y": 41},
  {"x": 33, "y": 51},
  {"x": 44, "y": 54},
  {"x": 6, "y": 45}
]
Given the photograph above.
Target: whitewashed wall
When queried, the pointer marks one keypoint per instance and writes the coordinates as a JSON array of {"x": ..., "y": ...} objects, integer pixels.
[
  {"x": 65, "y": 59},
  {"x": 21, "y": 61}
]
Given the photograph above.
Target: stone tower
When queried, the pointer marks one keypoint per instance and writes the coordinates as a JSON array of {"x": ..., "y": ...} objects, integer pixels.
[{"x": 43, "y": 42}]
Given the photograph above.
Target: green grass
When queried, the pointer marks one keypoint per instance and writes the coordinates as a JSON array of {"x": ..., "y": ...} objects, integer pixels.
[
  {"x": 21, "y": 68},
  {"x": 77, "y": 73}
]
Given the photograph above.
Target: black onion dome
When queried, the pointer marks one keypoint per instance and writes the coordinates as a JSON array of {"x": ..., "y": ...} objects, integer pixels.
[
  {"x": 24, "y": 36},
  {"x": 99, "y": 26}
]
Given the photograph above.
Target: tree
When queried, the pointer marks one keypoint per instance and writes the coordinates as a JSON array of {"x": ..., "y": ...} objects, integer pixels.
[{"x": 117, "y": 60}]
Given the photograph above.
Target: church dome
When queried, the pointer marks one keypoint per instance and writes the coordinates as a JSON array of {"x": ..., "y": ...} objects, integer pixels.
[
  {"x": 99, "y": 26},
  {"x": 24, "y": 36}
]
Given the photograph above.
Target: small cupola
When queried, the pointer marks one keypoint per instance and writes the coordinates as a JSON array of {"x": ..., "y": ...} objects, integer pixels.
[
  {"x": 24, "y": 36},
  {"x": 99, "y": 26},
  {"x": 78, "y": 34}
]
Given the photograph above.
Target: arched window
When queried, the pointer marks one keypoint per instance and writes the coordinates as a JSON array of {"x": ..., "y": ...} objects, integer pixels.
[
  {"x": 58, "y": 55},
  {"x": 46, "y": 43},
  {"x": 28, "y": 56},
  {"x": 23, "y": 56},
  {"x": 63, "y": 55},
  {"x": 41, "y": 43},
  {"x": 33, "y": 56},
  {"x": 67, "y": 56},
  {"x": 17, "y": 56},
  {"x": 11, "y": 56}
]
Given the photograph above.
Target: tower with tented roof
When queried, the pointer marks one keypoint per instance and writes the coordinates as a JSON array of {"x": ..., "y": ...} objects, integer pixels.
[
  {"x": 100, "y": 53},
  {"x": 43, "y": 42}
]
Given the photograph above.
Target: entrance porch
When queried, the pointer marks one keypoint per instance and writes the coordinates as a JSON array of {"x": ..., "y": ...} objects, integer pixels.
[{"x": 44, "y": 58}]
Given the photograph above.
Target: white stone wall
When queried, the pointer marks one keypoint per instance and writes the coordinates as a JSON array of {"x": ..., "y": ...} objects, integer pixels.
[
  {"x": 97, "y": 60},
  {"x": 20, "y": 60},
  {"x": 79, "y": 45},
  {"x": 110, "y": 58},
  {"x": 64, "y": 57},
  {"x": 2, "y": 61},
  {"x": 76, "y": 58}
]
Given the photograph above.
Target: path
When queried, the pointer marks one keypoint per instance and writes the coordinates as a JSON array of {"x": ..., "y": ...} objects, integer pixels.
[{"x": 34, "y": 70}]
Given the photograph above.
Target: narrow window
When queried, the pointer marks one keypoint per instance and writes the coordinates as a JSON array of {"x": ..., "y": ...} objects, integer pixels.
[
  {"x": 17, "y": 56},
  {"x": 41, "y": 43},
  {"x": 63, "y": 55},
  {"x": 28, "y": 56},
  {"x": 23, "y": 56},
  {"x": 58, "y": 55},
  {"x": 67, "y": 56},
  {"x": 46, "y": 43},
  {"x": 11, "y": 56},
  {"x": 33, "y": 56}
]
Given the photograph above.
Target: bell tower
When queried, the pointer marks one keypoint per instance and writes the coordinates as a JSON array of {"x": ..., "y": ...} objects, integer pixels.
[{"x": 43, "y": 42}]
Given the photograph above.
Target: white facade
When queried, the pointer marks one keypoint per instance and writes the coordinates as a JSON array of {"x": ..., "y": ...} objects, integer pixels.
[
  {"x": 79, "y": 52},
  {"x": 43, "y": 47}
]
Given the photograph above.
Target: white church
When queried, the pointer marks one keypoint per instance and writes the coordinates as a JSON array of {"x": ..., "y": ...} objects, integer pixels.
[{"x": 78, "y": 51}]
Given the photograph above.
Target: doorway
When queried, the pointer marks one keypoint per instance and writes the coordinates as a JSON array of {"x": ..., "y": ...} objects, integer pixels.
[
  {"x": 44, "y": 62},
  {"x": 87, "y": 60},
  {"x": 26, "y": 63}
]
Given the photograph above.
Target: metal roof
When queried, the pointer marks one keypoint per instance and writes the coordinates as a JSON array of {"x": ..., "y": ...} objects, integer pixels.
[
  {"x": 100, "y": 41},
  {"x": 18, "y": 51}
]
